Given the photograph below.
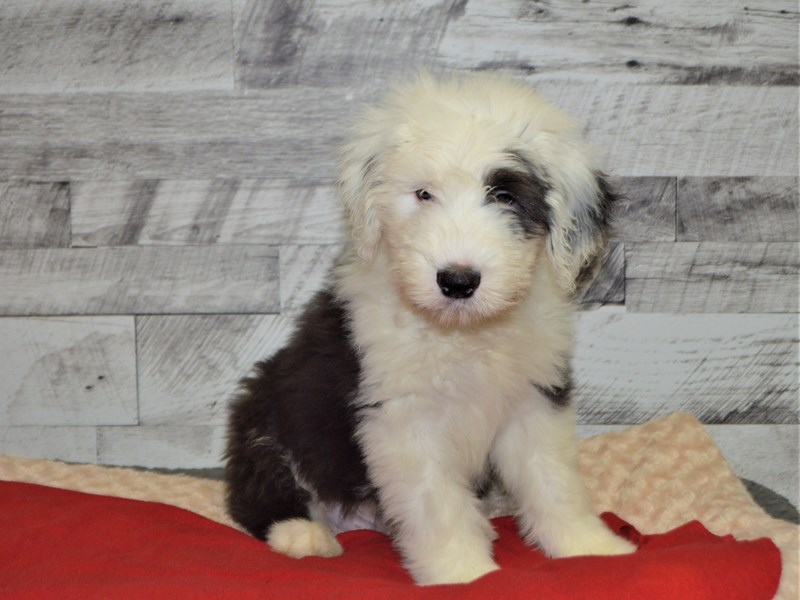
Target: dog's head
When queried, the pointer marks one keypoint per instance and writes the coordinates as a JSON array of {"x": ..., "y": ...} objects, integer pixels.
[{"x": 466, "y": 183}]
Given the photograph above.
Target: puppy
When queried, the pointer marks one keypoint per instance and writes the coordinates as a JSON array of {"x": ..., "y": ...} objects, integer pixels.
[{"x": 436, "y": 363}]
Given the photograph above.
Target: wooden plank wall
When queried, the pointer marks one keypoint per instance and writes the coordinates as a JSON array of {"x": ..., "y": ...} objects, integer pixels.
[{"x": 167, "y": 204}]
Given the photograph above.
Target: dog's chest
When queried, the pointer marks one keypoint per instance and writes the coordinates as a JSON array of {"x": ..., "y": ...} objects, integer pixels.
[{"x": 491, "y": 367}]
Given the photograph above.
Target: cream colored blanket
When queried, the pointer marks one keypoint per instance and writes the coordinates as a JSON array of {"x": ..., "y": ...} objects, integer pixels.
[{"x": 655, "y": 476}]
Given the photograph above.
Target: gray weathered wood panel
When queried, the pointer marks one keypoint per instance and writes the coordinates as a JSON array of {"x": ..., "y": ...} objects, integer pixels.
[
  {"x": 742, "y": 209},
  {"x": 174, "y": 447},
  {"x": 173, "y": 162},
  {"x": 335, "y": 42},
  {"x": 293, "y": 133},
  {"x": 646, "y": 211},
  {"x": 724, "y": 369},
  {"x": 139, "y": 280},
  {"x": 765, "y": 454},
  {"x": 689, "y": 277},
  {"x": 190, "y": 365},
  {"x": 206, "y": 135},
  {"x": 608, "y": 284},
  {"x": 34, "y": 214},
  {"x": 75, "y": 45},
  {"x": 220, "y": 211},
  {"x": 73, "y": 444},
  {"x": 68, "y": 371},
  {"x": 715, "y": 42},
  {"x": 671, "y": 130},
  {"x": 304, "y": 271}
]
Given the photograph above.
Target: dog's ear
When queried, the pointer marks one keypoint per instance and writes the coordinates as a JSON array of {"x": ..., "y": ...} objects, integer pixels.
[
  {"x": 359, "y": 177},
  {"x": 581, "y": 206}
]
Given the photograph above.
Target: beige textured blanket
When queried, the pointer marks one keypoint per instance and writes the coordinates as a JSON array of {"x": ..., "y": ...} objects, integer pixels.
[{"x": 655, "y": 476}]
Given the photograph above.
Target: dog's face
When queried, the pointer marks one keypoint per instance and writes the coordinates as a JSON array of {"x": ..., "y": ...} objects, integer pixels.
[
  {"x": 467, "y": 185},
  {"x": 463, "y": 228}
]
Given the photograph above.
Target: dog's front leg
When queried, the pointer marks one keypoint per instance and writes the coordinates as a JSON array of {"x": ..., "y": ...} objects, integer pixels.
[
  {"x": 536, "y": 456},
  {"x": 425, "y": 496}
]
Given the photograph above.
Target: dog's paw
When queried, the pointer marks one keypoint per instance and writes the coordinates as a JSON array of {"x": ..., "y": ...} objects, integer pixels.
[
  {"x": 453, "y": 572},
  {"x": 300, "y": 537},
  {"x": 596, "y": 540}
]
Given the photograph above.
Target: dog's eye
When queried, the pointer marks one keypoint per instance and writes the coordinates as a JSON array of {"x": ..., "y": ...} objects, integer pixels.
[
  {"x": 502, "y": 196},
  {"x": 424, "y": 195}
]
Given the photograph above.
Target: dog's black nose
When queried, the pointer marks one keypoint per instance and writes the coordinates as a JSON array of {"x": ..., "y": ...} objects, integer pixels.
[{"x": 458, "y": 283}]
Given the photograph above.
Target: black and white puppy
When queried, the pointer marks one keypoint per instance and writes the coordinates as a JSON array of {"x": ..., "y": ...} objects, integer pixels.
[{"x": 437, "y": 359}]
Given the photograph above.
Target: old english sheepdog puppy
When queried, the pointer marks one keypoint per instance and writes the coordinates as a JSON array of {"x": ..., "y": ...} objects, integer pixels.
[{"x": 436, "y": 363}]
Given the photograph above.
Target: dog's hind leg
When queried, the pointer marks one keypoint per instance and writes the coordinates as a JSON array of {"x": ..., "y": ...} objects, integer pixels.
[
  {"x": 264, "y": 493},
  {"x": 265, "y": 497}
]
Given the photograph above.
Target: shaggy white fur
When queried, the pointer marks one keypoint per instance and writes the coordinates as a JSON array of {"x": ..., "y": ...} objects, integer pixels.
[
  {"x": 474, "y": 208},
  {"x": 453, "y": 378}
]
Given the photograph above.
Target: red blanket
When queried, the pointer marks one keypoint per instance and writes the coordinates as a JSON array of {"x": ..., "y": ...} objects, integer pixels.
[{"x": 58, "y": 543}]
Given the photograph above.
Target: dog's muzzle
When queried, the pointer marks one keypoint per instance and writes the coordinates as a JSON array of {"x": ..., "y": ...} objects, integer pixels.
[{"x": 458, "y": 283}]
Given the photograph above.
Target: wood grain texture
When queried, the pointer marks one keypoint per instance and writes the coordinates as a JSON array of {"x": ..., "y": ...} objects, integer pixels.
[
  {"x": 687, "y": 277},
  {"x": 139, "y": 280},
  {"x": 766, "y": 454},
  {"x": 79, "y": 45},
  {"x": 608, "y": 284},
  {"x": 716, "y": 42},
  {"x": 669, "y": 130},
  {"x": 304, "y": 271},
  {"x": 173, "y": 447},
  {"x": 73, "y": 444},
  {"x": 742, "y": 209},
  {"x": 190, "y": 365},
  {"x": 293, "y": 133},
  {"x": 208, "y": 135},
  {"x": 173, "y": 162},
  {"x": 646, "y": 212},
  {"x": 67, "y": 371},
  {"x": 326, "y": 43},
  {"x": 34, "y": 214},
  {"x": 219, "y": 211},
  {"x": 724, "y": 369}
]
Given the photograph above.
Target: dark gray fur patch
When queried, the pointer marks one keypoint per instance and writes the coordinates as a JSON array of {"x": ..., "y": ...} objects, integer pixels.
[
  {"x": 559, "y": 395},
  {"x": 523, "y": 192},
  {"x": 291, "y": 431},
  {"x": 597, "y": 222}
]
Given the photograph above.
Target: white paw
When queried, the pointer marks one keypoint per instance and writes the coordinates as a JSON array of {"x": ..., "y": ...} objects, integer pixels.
[
  {"x": 453, "y": 572},
  {"x": 595, "y": 540},
  {"x": 300, "y": 537}
]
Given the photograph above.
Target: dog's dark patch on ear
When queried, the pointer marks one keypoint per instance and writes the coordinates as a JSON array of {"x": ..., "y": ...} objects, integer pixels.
[
  {"x": 559, "y": 395},
  {"x": 599, "y": 222},
  {"x": 522, "y": 191},
  {"x": 608, "y": 196}
]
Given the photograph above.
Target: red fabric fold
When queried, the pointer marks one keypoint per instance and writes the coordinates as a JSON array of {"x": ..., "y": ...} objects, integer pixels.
[{"x": 59, "y": 543}]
